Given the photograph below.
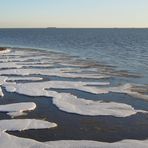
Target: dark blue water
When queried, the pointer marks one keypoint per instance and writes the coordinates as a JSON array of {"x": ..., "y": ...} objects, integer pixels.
[{"x": 125, "y": 48}]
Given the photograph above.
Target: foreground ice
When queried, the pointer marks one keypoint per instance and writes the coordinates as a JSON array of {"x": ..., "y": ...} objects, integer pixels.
[
  {"x": 50, "y": 72},
  {"x": 128, "y": 89},
  {"x": 9, "y": 65},
  {"x": 1, "y": 92},
  {"x": 95, "y": 144},
  {"x": 22, "y": 63},
  {"x": 40, "y": 88},
  {"x": 24, "y": 124},
  {"x": 70, "y": 103},
  {"x": 17, "y": 109},
  {"x": 24, "y": 79},
  {"x": 3, "y": 79},
  {"x": 6, "y": 140},
  {"x": 64, "y": 101}
]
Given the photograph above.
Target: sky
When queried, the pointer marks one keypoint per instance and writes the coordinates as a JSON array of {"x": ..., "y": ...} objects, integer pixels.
[{"x": 73, "y": 13}]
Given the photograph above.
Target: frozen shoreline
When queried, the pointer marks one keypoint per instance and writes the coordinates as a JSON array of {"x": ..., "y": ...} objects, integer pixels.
[{"x": 18, "y": 68}]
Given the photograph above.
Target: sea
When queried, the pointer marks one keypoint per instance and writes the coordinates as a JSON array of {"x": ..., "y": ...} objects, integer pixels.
[
  {"x": 127, "y": 49},
  {"x": 78, "y": 62}
]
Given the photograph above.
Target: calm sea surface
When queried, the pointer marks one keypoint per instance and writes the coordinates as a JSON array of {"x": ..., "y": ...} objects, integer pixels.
[{"x": 127, "y": 49}]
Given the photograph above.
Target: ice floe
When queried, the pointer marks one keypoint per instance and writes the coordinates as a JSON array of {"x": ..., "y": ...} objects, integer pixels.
[
  {"x": 71, "y": 103},
  {"x": 128, "y": 89},
  {"x": 9, "y": 65},
  {"x": 40, "y": 88},
  {"x": 24, "y": 64},
  {"x": 1, "y": 92},
  {"x": 75, "y": 105},
  {"x": 49, "y": 72},
  {"x": 24, "y": 124},
  {"x": 3, "y": 79},
  {"x": 17, "y": 109},
  {"x": 24, "y": 79},
  {"x": 5, "y": 51},
  {"x": 95, "y": 144},
  {"x": 10, "y": 86},
  {"x": 6, "y": 140}
]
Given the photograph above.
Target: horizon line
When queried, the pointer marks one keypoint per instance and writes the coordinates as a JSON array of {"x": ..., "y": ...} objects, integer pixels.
[{"x": 73, "y": 27}]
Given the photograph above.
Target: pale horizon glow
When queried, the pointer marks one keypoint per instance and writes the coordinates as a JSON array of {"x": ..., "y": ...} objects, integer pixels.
[{"x": 73, "y": 13}]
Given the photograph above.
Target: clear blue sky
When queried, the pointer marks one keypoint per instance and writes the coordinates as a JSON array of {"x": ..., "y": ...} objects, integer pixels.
[{"x": 74, "y": 13}]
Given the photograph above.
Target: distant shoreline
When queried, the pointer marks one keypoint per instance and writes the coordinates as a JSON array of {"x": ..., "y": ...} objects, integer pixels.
[
  {"x": 51, "y": 28},
  {"x": 74, "y": 28}
]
